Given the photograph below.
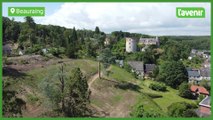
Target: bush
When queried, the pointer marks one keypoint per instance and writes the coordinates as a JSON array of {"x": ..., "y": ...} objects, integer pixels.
[
  {"x": 185, "y": 92},
  {"x": 182, "y": 109},
  {"x": 157, "y": 86},
  {"x": 153, "y": 95},
  {"x": 140, "y": 112}
]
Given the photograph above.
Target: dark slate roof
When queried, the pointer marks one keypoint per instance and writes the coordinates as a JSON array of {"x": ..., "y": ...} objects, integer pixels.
[
  {"x": 205, "y": 72},
  {"x": 205, "y": 101},
  {"x": 6, "y": 47},
  {"x": 149, "y": 67},
  {"x": 193, "y": 73},
  {"x": 137, "y": 65}
]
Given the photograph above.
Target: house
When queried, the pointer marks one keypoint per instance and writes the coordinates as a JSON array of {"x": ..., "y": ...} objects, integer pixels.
[
  {"x": 193, "y": 75},
  {"x": 120, "y": 62},
  {"x": 205, "y": 73},
  {"x": 204, "y": 109},
  {"x": 199, "y": 90},
  {"x": 149, "y": 41},
  {"x": 206, "y": 54},
  {"x": 193, "y": 51},
  {"x": 137, "y": 67},
  {"x": 207, "y": 63},
  {"x": 148, "y": 68},
  {"x": 131, "y": 45},
  {"x": 7, "y": 49}
]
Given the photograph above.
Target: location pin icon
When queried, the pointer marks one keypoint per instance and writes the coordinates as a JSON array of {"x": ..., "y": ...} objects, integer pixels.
[{"x": 12, "y": 10}]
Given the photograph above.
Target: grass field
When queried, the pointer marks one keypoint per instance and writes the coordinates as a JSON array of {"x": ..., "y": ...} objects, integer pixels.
[
  {"x": 120, "y": 74},
  {"x": 115, "y": 100},
  {"x": 159, "y": 104},
  {"x": 168, "y": 97}
]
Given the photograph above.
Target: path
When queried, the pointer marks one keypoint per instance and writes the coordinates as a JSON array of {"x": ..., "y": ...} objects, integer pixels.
[{"x": 92, "y": 79}]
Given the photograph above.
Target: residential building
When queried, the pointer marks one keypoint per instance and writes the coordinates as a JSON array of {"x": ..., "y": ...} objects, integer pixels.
[
  {"x": 194, "y": 75},
  {"x": 137, "y": 67},
  {"x": 199, "y": 90},
  {"x": 205, "y": 73},
  {"x": 148, "y": 68},
  {"x": 204, "y": 109},
  {"x": 149, "y": 41}
]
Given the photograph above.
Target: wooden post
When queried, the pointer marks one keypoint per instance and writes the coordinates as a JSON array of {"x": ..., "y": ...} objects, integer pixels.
[{"x": 99, "y": 69}]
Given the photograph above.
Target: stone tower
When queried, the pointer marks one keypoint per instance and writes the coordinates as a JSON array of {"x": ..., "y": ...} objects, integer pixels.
[{"x": 131, "y": 45}]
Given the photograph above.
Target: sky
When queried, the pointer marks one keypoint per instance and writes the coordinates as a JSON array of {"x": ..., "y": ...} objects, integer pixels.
[{"x": 146, "y": 18}]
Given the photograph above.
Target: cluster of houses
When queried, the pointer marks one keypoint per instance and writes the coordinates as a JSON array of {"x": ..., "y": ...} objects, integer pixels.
[
  {"x": 142, "y": 70},
  {"x": 203, "y": 73},
  {"x": 205, "y": 105},
  {"x": 197, "y": 75},
  {"x": 131, "y": 43},
  {"x": 201, "y": 53}
]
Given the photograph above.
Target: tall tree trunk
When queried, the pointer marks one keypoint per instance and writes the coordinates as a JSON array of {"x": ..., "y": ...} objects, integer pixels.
[{"x": 61, "y": 78}]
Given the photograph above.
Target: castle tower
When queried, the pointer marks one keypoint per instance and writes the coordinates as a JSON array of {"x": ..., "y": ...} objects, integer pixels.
[{"x": 131, "y": 45}]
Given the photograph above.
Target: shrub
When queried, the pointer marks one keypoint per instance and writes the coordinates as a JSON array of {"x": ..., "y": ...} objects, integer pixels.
[
  {"x": 157, "y": 86},
  {"x": 185, "y": 92},
  {"x": 140, "y": 112},
  {"x": 153, "y": 95},
  {"x": 182, "y": 109}
]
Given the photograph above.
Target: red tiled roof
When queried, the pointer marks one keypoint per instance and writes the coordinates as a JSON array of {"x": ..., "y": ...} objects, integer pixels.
[{"x": 199, "y": 89}]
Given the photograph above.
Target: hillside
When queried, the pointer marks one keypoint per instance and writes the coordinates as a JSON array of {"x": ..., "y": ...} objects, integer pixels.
[
  {"x": 116, "y": 95},
  {"x": 31, "y": 85}
]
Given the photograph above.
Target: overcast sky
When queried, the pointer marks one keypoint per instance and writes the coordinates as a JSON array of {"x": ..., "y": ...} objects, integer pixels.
[{"x": 146, "y": 18}]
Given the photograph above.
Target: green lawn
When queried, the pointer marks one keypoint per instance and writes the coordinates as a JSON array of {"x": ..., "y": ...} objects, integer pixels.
[
  {"x": 168, "y": 98},
  {"x": 163, "y": 102},
  {"x": 121, "y": 74}
]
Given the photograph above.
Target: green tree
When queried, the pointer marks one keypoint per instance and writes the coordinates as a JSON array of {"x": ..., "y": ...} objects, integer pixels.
[
  {"x": 181, "y": 109},
  {"x": 97, "y": 30},
  {"x": 106, "y": 57},
  {"x": 172, "y": 73},
  {"x": 184, "y": 91},
  {"x": 78, "y": 93}
]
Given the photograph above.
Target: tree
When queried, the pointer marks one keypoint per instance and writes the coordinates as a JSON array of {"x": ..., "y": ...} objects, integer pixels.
[
  {"x": 27, "y": 35},
  {"x": 78, "y": 93},
  {"x": 97, "y": 30},
  {"x": 172, "y": 73},
  {"x": 61, "y": 76},
  {"x": 185, "y": 92},
  {"x": 72, "y": 46},
  {"x": 30, "y": 22},
  {"x": 206, "y": 84},
  {"x": 182, "y": 109},
  {"x": 106, "y": 58}
]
